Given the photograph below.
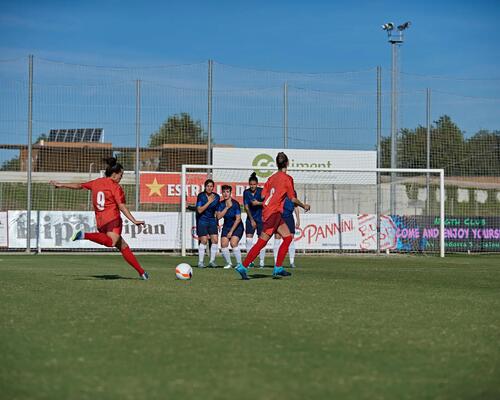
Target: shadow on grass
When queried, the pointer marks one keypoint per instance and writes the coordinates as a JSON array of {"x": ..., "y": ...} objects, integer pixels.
[
  {"x": 103, "y": 277},
  {"x": 259, "y": 276}
]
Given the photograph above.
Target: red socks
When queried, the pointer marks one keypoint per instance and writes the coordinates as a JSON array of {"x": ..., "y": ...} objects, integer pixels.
[
  {"x": 283, "y": 250},
  {"x": 130, "y": 258},
  {"x": 254, "y": 252},
  {"x": 100, "y": 238}
]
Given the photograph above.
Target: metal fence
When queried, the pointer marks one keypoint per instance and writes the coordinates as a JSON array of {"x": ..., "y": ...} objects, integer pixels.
[{"x": 158, "y": 118}]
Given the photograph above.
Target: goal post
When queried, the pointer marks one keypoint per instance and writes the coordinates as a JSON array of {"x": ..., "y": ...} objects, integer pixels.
[{"x": 351, "y": 209}]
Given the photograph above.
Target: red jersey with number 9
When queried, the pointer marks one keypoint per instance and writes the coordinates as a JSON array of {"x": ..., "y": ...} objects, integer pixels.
[
  {"x": 106, "y": 196},
  {"x": 277, "y": 188}
]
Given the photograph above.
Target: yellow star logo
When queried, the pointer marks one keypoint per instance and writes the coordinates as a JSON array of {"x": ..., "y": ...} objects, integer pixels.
[{"x": 154, "y": 188}]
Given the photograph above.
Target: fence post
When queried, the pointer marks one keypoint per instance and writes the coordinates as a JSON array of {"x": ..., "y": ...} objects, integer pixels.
[
  {"x": 379, "y": 150},
  {"x": 29, "y": 165},
  {"x": 285, "y": 115},
  {"x": 209, "y": 116},
  {"x": 137, "y": 140},
  {"x": 428, "y": 145}
]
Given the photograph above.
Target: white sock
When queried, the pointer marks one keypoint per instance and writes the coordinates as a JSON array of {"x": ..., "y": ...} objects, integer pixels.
[
  {"x": 237, "y": 254},
  {"x": 291, "y": 252},
  {"x": 249, "y": 244},
  {"x": 277, "y": 244},
  {"x": 262, "y": 256},
  {"x": 226, "y": 255},
  {"x": 213, "y": 252},
  {"x": 201, "y": 252}
]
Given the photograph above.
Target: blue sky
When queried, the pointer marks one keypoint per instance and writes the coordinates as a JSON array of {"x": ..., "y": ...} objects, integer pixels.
[
  {"x": 452, "y": 37},
  {"x": 455, "y": 39}
]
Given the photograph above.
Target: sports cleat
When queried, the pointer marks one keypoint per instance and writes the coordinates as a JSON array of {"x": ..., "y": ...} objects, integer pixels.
[
  {"x": 292, "y": 265},
  {"x": 201, "y": 265},
  {"x": 145, "y": 276},
  {"x": 242, "y": 271},
  {"x": 261, "y": 265},
  {"x": 78, "y": 235},
  {"x": 280, "y": 271},
  {"x": 212, "y": 264},
  {"x": 228, "y": 266},
  {"x": 251, "y": 265}
]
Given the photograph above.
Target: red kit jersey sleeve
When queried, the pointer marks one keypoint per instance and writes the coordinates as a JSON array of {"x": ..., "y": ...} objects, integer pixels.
[{"x": 88, "y": 185}]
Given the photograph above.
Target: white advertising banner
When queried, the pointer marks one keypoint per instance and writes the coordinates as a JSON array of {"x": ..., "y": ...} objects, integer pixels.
[
  {"x": 18, "y": 228},
  {"x": 4, "y": 224},
  {"x": 263, "y": 160},
  {"x": 161, "y": 230}
]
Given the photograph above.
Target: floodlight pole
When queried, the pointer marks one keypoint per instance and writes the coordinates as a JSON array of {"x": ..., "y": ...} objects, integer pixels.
[
  {"x": 29, "y": 164},
  {"x": 395, "y": 38}
]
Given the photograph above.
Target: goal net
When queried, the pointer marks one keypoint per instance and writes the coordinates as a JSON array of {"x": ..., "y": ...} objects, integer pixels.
[{"x": 352, "y": 210}]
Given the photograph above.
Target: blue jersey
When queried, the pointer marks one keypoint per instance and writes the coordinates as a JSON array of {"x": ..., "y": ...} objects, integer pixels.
[
  {"x": 231, "y": 214},
  {"x": 248, "y": 197},
  {"x": 207, "y": 216},
  {"x": 288, "y": 207}
]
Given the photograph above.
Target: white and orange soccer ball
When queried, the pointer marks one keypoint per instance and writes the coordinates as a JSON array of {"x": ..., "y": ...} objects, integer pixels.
[{"x": 184, "y": 272}]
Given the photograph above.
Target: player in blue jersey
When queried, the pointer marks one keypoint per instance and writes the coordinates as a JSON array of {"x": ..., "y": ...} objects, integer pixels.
[
  {"x": 252, "y": 200},
  {"x": 288, "y": 210},
  {"x": 232, "y": 229},
  {"x": 206, "y": 222}
]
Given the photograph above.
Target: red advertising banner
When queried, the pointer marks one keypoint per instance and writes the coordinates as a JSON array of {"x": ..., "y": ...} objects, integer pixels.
[{"x": 165, "y": 187}]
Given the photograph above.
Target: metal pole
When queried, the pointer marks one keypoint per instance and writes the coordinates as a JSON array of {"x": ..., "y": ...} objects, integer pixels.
[
  {"x": 137, "y": 140},
  {"x": 209, "y": 122},
  {"x": 285, "y": 115},
  {"x": 183, "y": 211},
  {"x": 30, "y": 149},
  {"x": 428, "y": 146},
  {"x": 394, "y": 129},
  {"x": 89, "y": 197},
  {"x": 441, "y": 213},
  {"x": 379, "y": 150}
]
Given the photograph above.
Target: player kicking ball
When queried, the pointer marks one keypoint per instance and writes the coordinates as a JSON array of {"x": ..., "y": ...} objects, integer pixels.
[
  {"x": 108, "y": 200},
  {"x": 232, "y": 229},
  {"x": 277, "y": 188}
]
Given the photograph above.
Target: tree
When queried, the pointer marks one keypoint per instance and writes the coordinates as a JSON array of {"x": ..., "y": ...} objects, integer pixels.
[
  {"x": 179, "y": 129},
  {"x": 14, "y": 164}
]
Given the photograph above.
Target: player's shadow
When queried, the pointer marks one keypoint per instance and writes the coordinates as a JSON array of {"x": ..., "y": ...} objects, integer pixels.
[
  {"x": 112, "y": 277},
  {"x": 259, "y": 276}
]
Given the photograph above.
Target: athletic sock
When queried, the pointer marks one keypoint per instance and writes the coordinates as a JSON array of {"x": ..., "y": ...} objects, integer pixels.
[
  {"x": 237, "y": 254},
  {"x": 201, "y": 252},
  {"x": 213, "y": 252},
  {"x": 277, "y": 244},
  {"x": 249, "y": 244},
  {"x": 100, "y": 238},
  {"x": 291, "y": 252},
  {"x": 262, "y": 256},
  {"x": 254, "y": 251},
  {"x": 130, "y": 258},
  {"x": 226, "y": 255},
  {"x": 283, "y": 250}
]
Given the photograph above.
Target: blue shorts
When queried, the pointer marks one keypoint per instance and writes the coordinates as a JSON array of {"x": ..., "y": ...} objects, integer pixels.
[
  {"x": 249, "y": 228},
  {"x": 237, "y": 232},
  {"x": 290, "y": 222},
  {"x": 205, "y": 229}
]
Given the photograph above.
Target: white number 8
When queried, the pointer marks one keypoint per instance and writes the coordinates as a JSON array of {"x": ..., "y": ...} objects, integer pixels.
[
  {"x": 271, "y": 193},
  {"x": 101, "y": 199}
]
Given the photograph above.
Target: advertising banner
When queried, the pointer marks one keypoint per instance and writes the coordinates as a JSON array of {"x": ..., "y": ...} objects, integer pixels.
[
  {"x": 158, "y": 187},
  {"x": 4, "y": 234},
  {"x": 263, "y": 162}
]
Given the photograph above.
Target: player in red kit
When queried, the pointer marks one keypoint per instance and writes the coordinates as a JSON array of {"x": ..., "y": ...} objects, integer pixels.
[
  {"x": 108, "y": 200},
  {"x": 277, "y": 188}
]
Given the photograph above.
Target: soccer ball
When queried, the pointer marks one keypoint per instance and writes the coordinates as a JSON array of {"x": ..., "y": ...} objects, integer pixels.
[{"x": 184, "y": 272}]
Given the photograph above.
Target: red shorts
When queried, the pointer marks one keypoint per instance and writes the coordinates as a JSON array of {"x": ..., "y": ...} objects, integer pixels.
[
  {"x": 271, "y": 224},
  {"x": 112, "y": 226}
]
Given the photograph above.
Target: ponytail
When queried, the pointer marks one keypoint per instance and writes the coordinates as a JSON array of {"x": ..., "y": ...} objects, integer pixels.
[{"x": 114, "y": 167}]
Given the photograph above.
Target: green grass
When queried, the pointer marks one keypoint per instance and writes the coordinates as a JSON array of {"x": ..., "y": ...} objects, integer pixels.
[{"x": 83, "y": 327}]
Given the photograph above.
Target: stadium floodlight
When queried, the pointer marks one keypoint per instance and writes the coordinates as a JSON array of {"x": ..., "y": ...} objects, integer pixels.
[
  {"x": 389, "y": 26},
  {"x": 404, "y": 26}
]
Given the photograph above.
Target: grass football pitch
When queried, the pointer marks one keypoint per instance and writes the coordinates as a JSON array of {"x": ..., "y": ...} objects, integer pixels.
[{"x": 84, "y": 327}]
